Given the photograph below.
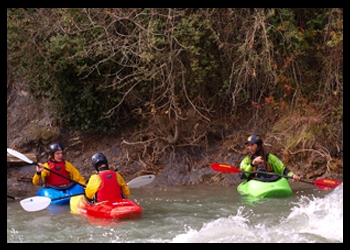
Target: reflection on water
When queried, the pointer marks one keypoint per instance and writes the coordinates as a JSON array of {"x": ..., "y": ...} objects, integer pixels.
[{"x": 192, "y": 214}]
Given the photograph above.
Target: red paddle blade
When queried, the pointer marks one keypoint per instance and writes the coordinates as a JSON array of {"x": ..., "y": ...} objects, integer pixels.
[
  {"x": 326, "y": 183},
  {"x": 222, "y": 167}
]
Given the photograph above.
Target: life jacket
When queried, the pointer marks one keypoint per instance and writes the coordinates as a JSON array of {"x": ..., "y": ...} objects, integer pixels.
[
  {"x": 110, "y": 188},
  {"x": 54, "y": 180},
  {"x": 261, "y": 176},
  {"x": 267, "y": 167}
]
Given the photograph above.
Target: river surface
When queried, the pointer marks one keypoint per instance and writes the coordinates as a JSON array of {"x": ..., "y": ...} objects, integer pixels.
[{"x": 192, "y": 214}]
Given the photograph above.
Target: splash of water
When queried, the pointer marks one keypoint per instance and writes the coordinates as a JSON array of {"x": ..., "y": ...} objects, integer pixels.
[{"x": 311, "y": 220}]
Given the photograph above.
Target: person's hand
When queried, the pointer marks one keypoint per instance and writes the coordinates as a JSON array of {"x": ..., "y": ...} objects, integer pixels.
[
  {"x": 296, "y": 177},
  {"x": 258, "y": 161},
  {"x": 39, "y": 167}
]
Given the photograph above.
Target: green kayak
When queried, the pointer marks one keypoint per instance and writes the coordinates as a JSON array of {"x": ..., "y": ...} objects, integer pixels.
[{"x": 261, "y": 189}]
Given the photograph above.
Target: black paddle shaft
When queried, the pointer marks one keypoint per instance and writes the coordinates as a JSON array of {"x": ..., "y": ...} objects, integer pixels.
[
  {"x": 280, "y": 175},
  {"x": 64, "y": 176},
  {"x": 26, "y": 159},
  {"x": 54, "y": 172}
]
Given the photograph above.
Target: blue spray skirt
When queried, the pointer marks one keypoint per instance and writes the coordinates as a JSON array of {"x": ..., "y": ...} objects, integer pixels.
[{"x": 61, "y": 195}]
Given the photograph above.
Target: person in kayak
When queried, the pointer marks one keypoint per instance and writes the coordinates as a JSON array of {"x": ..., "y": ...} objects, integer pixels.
[
  {"x": 259, "y": 160},
  {"x": 58, "y": 165},
  {"x": 106, "y": 184}
]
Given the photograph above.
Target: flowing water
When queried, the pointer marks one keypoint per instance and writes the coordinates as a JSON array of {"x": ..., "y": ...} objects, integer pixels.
[{"x": 193, "y": 214}]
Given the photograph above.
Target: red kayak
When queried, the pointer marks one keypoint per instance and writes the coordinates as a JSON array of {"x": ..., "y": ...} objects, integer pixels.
[{"x": 112, "y": 209}]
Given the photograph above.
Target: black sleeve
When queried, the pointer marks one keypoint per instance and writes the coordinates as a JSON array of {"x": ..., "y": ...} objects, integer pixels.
[
  {"x": 243, "y": 176},
  {"x": 286, "y": 171},
  {"x": 90, "y": 201}
]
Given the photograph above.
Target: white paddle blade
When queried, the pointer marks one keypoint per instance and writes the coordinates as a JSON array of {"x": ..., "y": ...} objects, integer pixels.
[
  {"x": 141, "y": 181},
  {"x": 19, "y": 155},
  {"x": 35, "y": 203}
]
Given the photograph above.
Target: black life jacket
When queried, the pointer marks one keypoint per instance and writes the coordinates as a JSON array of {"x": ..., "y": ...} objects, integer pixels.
[{"x": 267, "y": 168}]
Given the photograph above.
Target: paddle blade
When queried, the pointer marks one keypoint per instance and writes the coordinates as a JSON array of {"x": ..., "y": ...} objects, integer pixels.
[
  {"x": 141, "y": 181},
  {"x": 222, "y": 167},
  {"x": 20, "y": 156},
  {"x": 35, "y": 203},
  {"x": 326, "y": 183}
]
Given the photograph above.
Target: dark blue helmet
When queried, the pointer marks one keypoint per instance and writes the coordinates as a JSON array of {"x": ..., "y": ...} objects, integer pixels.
[{"x": 254, "y": 139}]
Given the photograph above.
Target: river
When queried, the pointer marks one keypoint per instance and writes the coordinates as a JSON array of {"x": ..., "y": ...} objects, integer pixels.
[{"x": 192, "y": 214}]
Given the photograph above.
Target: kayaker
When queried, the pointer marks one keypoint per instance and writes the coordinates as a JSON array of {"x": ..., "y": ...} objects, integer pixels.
[
  {"x": 106, "y": 184},
  {"x": 58, "y": 165},
  {"x": 260, "y": 160}
]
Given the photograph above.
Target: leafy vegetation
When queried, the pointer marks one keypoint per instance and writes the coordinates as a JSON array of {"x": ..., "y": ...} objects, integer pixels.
[{"x": 183, "y": 74}]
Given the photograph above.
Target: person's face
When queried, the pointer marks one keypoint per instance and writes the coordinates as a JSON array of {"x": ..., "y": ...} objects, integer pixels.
[
  {"x": 58, "y": 155},
  {"x": 252, "y": 148},
  {"x": 101, "y": 165}
]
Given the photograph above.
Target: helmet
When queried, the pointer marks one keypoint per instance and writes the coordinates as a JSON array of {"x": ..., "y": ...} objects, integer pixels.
[
  {"x": 97, "y": 159},
  {"x": 54, "y": 147},
  {"x": 254, "y": 139}
]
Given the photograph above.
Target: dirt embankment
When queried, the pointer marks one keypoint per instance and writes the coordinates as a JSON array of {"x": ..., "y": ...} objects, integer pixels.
[{"x": 29, "y": 124}]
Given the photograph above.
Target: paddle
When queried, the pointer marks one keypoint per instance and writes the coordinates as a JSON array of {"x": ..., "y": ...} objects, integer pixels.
[
  {"x": 12, "y": 197},
  {"x": 26, "y": 159},
  {"x": 37, "y": 203},
  {"x": 135, "y": 183},
  {"x": 141, "y": 181},
  {"x": 320, "y": 183}
]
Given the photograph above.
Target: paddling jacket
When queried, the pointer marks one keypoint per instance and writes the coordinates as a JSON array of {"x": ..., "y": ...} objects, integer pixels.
[
  {"x": 273, "y": 163},
  {"x": 106, "y": 185},
  {"x": 64, "y": 168}
]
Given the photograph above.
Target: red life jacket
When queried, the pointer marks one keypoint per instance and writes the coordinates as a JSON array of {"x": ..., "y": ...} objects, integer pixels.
[
  {"x": 110, "y": 188},
  {"x": 55, "y": 179}
]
